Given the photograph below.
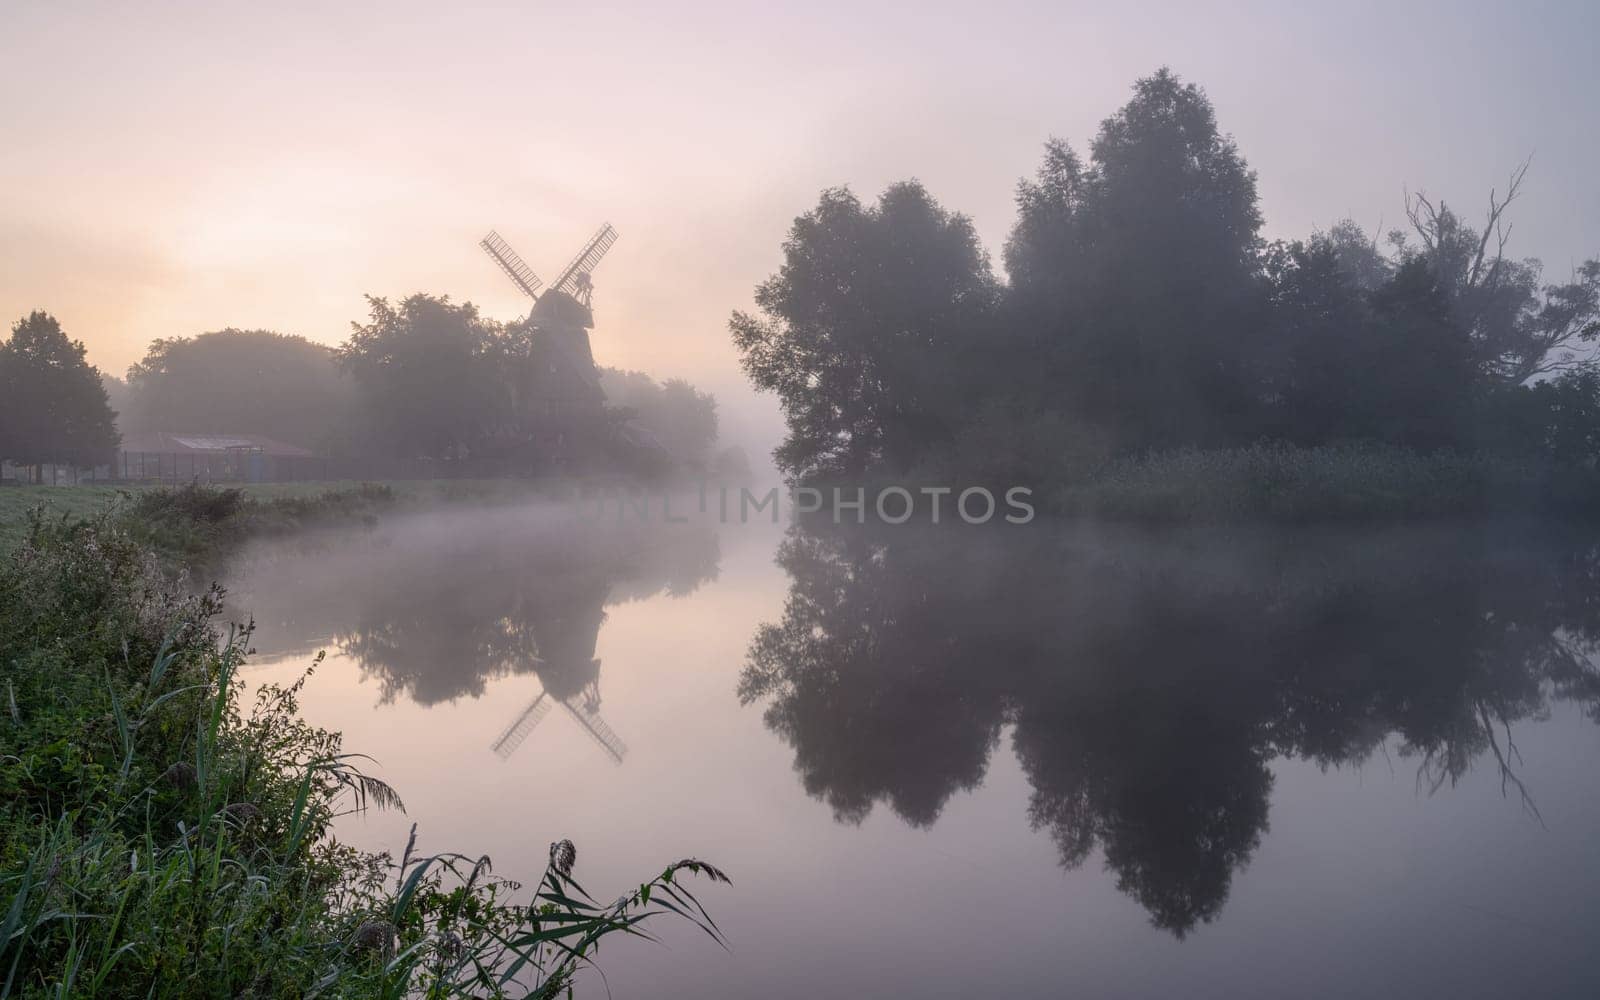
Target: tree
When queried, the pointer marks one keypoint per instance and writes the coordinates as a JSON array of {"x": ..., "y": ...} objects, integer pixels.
[
  {"x": 53, "y": 407},
  {"x": 868, "y": 330},
  {"x": 1426, "y": 373},
  {"x": 1137, "y": 298},
  {"x": 1391, "y": 364},
  {"x": 1326, "y": 339},
  {"x": 681, "y": 417},
  {"x": 241, "y": 381},
  {"x": 1557, "y": 418},
  {"x": 1358, "y": 255},
  {"x": 1522, "y": 329},
  {"x": 425, "y": 375},
  {"x": 1145, "y": 311}
]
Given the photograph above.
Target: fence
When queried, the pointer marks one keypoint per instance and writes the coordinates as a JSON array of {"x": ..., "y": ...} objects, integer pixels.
[{"x": 257, "y": 467}]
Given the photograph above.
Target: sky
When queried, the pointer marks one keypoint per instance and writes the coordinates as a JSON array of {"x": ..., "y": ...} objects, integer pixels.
[{"x": 168, "y": 169}]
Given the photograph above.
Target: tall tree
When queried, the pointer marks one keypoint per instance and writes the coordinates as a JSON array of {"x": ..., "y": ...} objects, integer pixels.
[
  {"x": 868, "y": 329},
  {"x": 1137, "y": 291},
  {"x": 53, "y": 407}
]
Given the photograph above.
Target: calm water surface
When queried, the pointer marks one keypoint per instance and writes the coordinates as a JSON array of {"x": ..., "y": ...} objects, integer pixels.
[{"x": 957, "y": 762}]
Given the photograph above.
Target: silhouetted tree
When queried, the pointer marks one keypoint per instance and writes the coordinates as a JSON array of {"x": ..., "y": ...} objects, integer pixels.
[
  {"x": 1145, "y": 312},
  {"x": 1427, "y": 376},
  {"x": 241, "y": 381},
  {"x": 1136, "y": 292},
  {"x": 868, "y": 329},
  {"x": 1392, "y": 365},
  {"x": 1522, "y": 329},
  {"x": 53, "y": 407}
]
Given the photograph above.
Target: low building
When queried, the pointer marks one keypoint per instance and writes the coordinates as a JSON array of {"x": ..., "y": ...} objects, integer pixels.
[{"x": 174, "y": 456}]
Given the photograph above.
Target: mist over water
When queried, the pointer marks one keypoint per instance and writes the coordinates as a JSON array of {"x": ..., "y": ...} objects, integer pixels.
[{"x": 967, "y": 761}]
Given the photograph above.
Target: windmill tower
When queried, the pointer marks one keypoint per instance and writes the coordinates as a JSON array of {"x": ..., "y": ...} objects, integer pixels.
[{"x": 564, "y": 381}]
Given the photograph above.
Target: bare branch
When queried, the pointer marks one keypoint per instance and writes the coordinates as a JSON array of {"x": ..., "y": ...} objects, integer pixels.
[{"x": 1492, "y": 225}]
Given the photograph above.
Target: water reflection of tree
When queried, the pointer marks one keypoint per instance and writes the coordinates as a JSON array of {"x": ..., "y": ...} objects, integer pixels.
[
  {"x": 437, "y": 611},
  {"x": 877, "y": 668},
  {"x": 534, "y": 605},
  {"x": 1151, "y": 683}
]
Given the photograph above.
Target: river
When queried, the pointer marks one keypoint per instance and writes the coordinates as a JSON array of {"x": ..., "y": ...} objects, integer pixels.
[{"x": 1016, "y": 760}]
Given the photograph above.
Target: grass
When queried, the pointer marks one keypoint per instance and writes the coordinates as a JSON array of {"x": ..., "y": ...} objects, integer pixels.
[
  {"x": 85, "y": 501},
  {"x": 160, "y": 838},
  {"x": 264, "y": 507},
  {"x": 1283, "y": 482}
]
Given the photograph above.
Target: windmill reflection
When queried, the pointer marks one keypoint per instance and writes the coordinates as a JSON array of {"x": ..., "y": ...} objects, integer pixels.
[
  {"x": 1149, "y": 682},
  {"x": 565, "y": 662}
]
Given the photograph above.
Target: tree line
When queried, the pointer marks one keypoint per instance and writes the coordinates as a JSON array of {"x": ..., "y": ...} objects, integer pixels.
[
  {"x": 422, "y": 378},
  {"x": 1144, "y": 310}
]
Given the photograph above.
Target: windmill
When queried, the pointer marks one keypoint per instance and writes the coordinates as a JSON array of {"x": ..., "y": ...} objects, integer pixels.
[
  {"x": 574, "y": 282},
  {"x": 564, "y": 382},
  {"x": 567, "y": 625},
  {"x": 586, "y": 712}
]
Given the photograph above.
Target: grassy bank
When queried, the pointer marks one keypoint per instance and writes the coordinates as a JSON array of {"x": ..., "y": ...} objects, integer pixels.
[
  {"x": 197, "y": 526},
  {"x": 158, "y": 837},
  {"x": 1281, "y": 482},
  {"x": 192, "y": 518},
  {"x": 260, "y": 508}
]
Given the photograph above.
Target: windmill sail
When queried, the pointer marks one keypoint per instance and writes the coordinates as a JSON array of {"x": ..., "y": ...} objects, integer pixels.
[
  {"x": 599, "y": 731},
  {"x": 519, "y": 729},
  {"x": 569, "y": 281},
  {"x": 515, "y": 268}
]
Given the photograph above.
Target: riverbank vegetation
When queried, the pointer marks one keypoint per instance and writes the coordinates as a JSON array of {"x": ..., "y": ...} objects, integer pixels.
[
  {"x": 199, "y": 520},
  {"x": 1151, "y": 342},
  {"x": 195, "y": 525},
  {"x": 162, "y": 835}
]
